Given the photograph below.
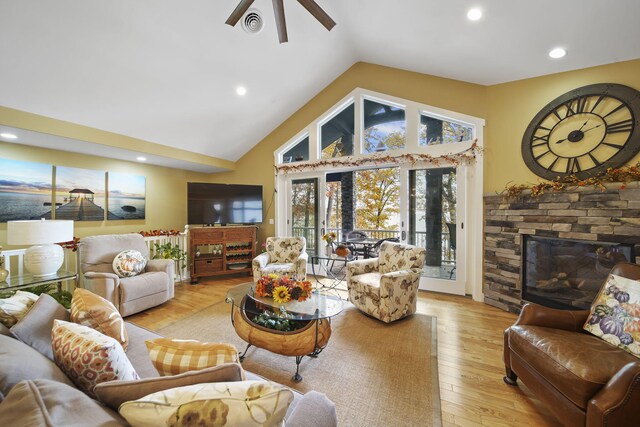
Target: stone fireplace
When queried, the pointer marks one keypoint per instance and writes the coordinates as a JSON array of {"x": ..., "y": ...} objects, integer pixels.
[{"x": 589, "y": 228}]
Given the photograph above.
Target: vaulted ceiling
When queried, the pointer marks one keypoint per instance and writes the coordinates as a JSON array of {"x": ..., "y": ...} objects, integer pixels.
[{"x": 166, "y": 71}]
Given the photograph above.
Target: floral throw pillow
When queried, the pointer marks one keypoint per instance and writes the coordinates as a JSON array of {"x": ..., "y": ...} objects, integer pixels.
[
  {"x": 129, "y": 263},
  {"x": 615, "y": 314},
  {"x": 239, "y": 403},
  {"x": 89, "y": 357}
]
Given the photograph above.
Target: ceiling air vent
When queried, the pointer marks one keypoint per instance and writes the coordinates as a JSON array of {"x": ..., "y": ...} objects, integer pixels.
[{"x": 252, "y": 22}]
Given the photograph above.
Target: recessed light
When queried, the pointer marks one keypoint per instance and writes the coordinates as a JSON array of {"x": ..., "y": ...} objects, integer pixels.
[
  {"x": 474, "y": 14},
  {"x": 141, "y": 159},
  {"x": 558, "y": 52},
  {"x": 241, "y": 90},
  {"x": 8, "y": 136}
]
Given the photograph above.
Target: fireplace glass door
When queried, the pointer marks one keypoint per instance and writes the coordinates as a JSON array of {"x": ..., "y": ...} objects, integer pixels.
[{"x": 567, "y": 274}]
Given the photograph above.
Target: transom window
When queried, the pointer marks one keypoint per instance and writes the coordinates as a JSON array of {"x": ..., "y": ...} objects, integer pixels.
[
  {"x": 384, "y": 127},
  {"x": 337, "y": 134},
  {"x": 435, "y": 131}
]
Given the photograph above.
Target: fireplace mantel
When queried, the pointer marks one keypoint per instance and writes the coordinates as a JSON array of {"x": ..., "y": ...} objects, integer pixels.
[{"x": 583, "y": 213}]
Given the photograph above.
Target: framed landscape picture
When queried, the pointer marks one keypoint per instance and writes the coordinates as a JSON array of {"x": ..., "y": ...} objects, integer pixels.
[
  {"x": 80, "y": 194},
  {"x": 25, "y": 190},
  {"x": 127, "y": 194}
]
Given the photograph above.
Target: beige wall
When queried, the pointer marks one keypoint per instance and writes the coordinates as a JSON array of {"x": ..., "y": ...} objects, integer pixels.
[
  {"x": 257, "y": 165},
  {"x": 507, "y": 108},
  {"x": 511, "y": 106},
  {"x": 166, "y": 196}
]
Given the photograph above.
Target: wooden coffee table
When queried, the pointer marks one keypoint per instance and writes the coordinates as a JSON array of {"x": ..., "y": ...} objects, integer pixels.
[{"x": 310, "y": 339}]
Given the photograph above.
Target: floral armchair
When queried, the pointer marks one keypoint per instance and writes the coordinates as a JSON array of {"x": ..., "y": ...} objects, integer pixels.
[
  {"x": 284, "y": 256},
  {"x": 386, "y": 287}
]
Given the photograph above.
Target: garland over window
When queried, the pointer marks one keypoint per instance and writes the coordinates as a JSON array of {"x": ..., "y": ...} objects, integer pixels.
[{"x": 466, "y": 156}]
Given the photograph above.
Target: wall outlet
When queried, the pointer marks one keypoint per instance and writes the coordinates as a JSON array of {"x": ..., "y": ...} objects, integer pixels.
[{"x": 271, "y": 222}]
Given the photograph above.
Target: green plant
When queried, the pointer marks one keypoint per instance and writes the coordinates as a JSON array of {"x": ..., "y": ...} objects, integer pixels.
[
  {"x": 170, "y": 251},
  {"x": 270, "y": 321}
]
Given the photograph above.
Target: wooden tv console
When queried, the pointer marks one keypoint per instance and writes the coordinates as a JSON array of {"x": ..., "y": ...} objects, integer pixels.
[{"x": 221, "y": 250}]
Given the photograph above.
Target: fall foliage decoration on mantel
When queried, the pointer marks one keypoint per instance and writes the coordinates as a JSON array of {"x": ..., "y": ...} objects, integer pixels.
[
  {"x": 622, "y": 175},
  {"x": 468, "y": 155}
]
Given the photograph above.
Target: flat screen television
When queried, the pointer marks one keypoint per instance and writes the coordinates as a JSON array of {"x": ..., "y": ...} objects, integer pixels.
[{"x": 224, "y": 203}]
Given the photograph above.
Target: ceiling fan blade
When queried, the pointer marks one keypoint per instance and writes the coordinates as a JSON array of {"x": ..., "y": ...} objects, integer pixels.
[
  {"x": 238, "y": 12},
  {"x": 281, "y": 25},
  {"x": 318, "y": 13}
]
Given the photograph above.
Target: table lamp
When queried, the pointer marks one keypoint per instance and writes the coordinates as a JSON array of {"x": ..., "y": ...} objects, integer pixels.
[{"x": 45, "y": 258}]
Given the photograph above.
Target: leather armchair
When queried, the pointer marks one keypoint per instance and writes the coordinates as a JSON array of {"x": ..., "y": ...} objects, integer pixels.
[
  {"x": 387, "y": 287},
  {"x": 128, "y": 294},
  {"x": 584, "y": 380},
  {"x": 284, "y": 256}
]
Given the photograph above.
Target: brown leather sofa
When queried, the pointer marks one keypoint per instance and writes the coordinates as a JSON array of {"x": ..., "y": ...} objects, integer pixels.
[{"x": 584, "y": 380}]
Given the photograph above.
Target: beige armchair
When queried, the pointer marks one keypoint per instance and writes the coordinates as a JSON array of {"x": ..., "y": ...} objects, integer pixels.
[
  {"x": 284, "y": 256},
  {"x": 387, "y": 287},
  {"x": 129, "y": 294}
]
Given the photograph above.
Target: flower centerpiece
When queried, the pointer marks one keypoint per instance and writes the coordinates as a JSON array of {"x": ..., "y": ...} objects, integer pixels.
[
  {"x": 283, "y": 289},
  {"x": 329, "y": 237}
]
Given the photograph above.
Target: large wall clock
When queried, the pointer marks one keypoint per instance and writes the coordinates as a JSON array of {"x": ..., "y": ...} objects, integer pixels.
[{"x": 584, "y": 132}]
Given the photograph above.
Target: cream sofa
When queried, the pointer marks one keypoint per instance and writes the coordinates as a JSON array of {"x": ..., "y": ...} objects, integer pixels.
[
  {"x": 129, "y": 294},
  {"x": 35, "y": 392}
]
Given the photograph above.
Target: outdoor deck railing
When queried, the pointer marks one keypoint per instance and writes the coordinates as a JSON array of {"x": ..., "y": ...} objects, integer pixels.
[{"x": 448, "y": 254}]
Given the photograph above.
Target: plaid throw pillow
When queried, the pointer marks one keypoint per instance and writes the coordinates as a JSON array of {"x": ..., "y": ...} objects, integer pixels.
[{"x": 172, "y": 357}]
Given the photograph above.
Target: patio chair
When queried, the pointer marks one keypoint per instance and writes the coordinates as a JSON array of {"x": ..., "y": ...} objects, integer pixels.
[
  {"x": 374, "y": 251},
  {"x": 356, "y": 236}
]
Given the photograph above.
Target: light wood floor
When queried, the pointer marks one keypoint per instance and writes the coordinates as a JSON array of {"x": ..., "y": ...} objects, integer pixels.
[{"x": 469, "y": 354}]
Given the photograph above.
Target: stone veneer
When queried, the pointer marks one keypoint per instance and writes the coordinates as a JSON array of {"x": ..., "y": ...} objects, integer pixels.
[{"x": 585, "y": 213}]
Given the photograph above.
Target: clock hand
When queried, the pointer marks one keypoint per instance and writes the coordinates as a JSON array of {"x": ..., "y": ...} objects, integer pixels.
[
  {"x": 580, "y": 131},
  {"x": 592, "y": 128},
  {"x": 584, "y": 124}
]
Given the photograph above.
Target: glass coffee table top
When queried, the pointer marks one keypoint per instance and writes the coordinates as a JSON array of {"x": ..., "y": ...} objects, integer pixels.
[
  {"x": 320, "y": 306},
  {"x": 28, "y": 280}
]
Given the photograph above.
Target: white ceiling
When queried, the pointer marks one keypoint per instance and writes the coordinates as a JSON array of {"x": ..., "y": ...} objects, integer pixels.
[{"x": 165, "y": 71}]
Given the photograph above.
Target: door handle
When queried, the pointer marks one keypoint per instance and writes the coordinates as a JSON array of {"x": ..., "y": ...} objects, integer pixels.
[
  {"x": 404, "y": 236},
  {"x": 322, "y": 231}
]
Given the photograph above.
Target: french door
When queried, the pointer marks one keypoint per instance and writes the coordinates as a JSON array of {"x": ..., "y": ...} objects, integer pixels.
[
  {"x": 436, "y": 219},
  {"x": 423, "y": 207}
]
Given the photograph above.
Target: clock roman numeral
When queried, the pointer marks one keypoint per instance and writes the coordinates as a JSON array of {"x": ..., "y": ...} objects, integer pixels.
[
  {"x": 539, "y": 156},
  {"x": 622, "y": 126},
  {"x": 553, "y": 163},
  {"x": 608, "y": 144},
  {"x": 543, "y": 138},
  {"x": 570, "y": 111},
  {"x": 594, "y": 160},
  {"x": 600, "y": 98},
  {"x": 619, "y": 107},
  {"x": 573, "y": 165},
  {"x": 581, "y": 104}
]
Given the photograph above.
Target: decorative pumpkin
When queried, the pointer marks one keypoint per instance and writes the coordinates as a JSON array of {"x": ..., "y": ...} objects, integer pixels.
[
  {"x": 342, "y": 251},
  {"x": 622, "y": 296},
  {"x": 626, "y": 338},
  {"x": 603, "y": 310},
  {"x": 612, "y": 325}
]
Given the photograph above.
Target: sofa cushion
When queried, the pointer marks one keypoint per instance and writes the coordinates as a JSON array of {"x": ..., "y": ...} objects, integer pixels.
[
  {"x": 240, "y": 403},
  {"x": 367, "y": 282},
  {"x": 92, "y": 310},
  {"x": 50, "y": 403},
  {"x": 34, "y": 329},
  {"x": 566, "y": 359},
  {"x": 281, "y": 269},
  {"x": 89, "y": 357},
  {"x": 20, "y": 362},
  {"x": 171, "y": 356},
  {"x": 615, "y": 314},
  {"x": 115, "y": 393},
  {"x": 132, "y": 288},
  {"x": 129, "y": 263},
  {"x": 137, "y": 351}
]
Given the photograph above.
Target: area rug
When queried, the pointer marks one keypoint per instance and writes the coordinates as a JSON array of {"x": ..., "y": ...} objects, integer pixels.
[{"x": 377, "y": 374}]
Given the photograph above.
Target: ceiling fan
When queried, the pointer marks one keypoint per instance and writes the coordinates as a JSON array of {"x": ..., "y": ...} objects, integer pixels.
[{"x": 278, "y": 10}]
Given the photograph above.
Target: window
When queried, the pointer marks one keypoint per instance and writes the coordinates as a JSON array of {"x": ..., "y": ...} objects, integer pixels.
[
  {"x": 435, "y": 131},
  {"x": 336, "y": 135},
  {"x": 298, "y": 153},
  {"x": 384, "y": 127}
]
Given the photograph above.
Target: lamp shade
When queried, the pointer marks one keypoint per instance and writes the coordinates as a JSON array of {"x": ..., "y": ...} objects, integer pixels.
[{"x": 39, "y": 232}]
